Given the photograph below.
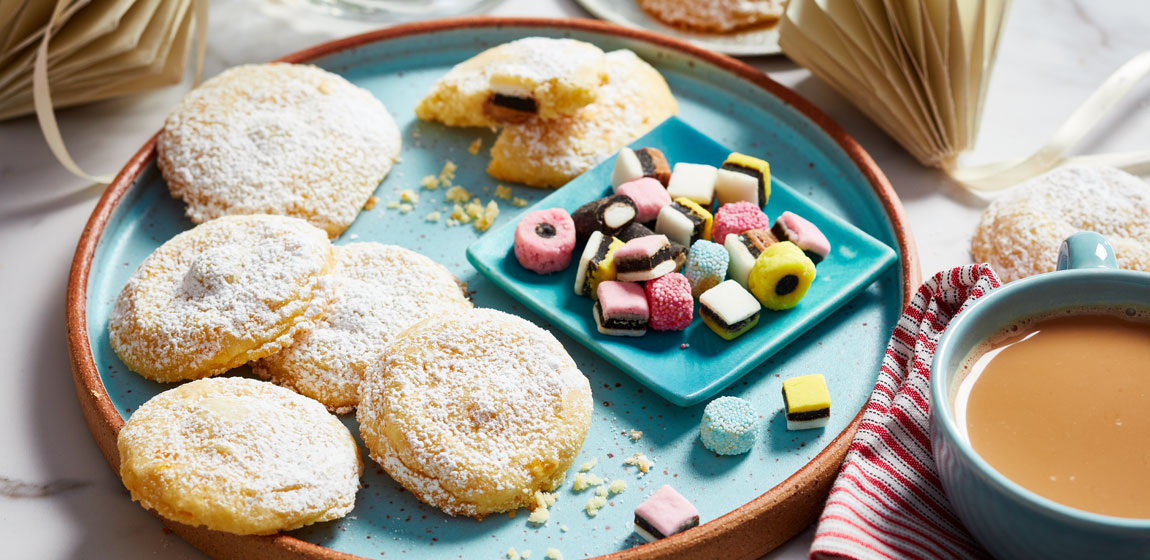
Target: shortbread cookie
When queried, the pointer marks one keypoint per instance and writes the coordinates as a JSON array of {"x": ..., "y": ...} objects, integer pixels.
[
  {"x": 516, "y": 81},
  {"x": 219, "y": 295},
  {"x": 548, "y": 153},
  {"x": 375, "y": 292},
  {"x": 475, "y": 412},
  {"x": 714, "y": 16},
  {"x": 280, "y": 139},
  {"x": 240, "y": 456},
  {"x": 1020, "y": 232}
]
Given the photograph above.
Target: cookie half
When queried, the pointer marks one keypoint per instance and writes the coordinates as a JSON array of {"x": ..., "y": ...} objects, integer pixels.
[
  {"x": 517, "y": 81},
  {"x": 548, "y": 153},
  {"x": 374, "y": 293},
  {"x": 474, "y": 413},
  {"x": 219, "y": 295},
  {"x": 240, "y": 456},
  {"x": 278, "y": 138}
]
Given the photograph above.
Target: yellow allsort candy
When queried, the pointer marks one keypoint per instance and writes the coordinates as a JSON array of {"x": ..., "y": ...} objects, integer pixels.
[
  {"x": 754, "y": 167},
  {"x": 605, "y": 269},
  {"x": 806, "y": 393},
  {"x": 781, "y": 276},
  {"x": 700, "y": 212}
]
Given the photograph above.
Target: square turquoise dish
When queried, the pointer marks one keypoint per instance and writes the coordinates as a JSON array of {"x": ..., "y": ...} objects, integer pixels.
[{"x": 685, "y": 367}]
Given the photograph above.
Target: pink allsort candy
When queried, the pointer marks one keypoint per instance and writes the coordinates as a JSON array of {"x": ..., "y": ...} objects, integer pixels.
[
  {"x": 736, "y": 218},
  {"x": 621, "y": 309},
  {"x": 669, "y": 299},
  {"x": 649, "y": 195},
  {"x": 663, "y": 514},
  {"x": 796, "y": 229},
  {"x": 544, "y": 240}
]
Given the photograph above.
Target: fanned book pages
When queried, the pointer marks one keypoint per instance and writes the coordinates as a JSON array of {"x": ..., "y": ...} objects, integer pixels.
[
  {"x": 917, "y": 69},
  {"x": 96, "y": 49}
]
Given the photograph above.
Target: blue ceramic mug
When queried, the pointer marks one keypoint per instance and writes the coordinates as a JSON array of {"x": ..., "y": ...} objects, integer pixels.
[{"x": 1011, "y": 521}]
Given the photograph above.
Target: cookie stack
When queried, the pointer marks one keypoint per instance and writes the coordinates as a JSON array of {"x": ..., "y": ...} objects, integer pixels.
[
  {"x": 563, "y": 105},
  {"x": 273, "y": 161}
]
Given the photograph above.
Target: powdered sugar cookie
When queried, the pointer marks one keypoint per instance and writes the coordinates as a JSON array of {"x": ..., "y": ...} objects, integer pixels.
[
  {"x": 475, "y": 412},
  {"x": 239, "y": 455},
  {"x": 714, "y": 16},
  {"x": 280, "y": 139},
  {"x": 550, "y": 153},
  {"x": 223, "y": 293},
  {"x": 375, "y": 292},
  {"x": 1020, "y": 231},
  {"x": 516, "y": 81}
]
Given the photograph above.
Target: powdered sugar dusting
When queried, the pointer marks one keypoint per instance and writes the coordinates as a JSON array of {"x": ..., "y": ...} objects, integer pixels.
[
  {"x": 1020, "y": 232},
  {"x": 239, "y": 455},
  {"x": 278, "y": 139},
  {"x": 375, "y": 292},
  {"x": 550, "y": 153},
  {"x": 216, "y": 296},
  {"x": 474, "y": 413}
]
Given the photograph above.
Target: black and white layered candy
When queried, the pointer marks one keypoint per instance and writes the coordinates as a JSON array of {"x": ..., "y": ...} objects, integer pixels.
[
  {"x": 609, "y": 215},
  {"x": 636, "y": 164}
]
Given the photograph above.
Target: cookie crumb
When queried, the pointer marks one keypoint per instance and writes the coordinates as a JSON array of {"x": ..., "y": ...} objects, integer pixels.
[
  {"x": 595, "y": 504},
  {"x": 488, "y": 216},
  {"x": 519, "y": 202},
  {"x": 503, "y": 192},
  {"x": 554, "y": 554},
  {"x": 475, "y": 146},
  {"x": 636, "y": 435},
  {"x": 371, "y": 202},
  {"x": 617, "y": 487},
  {"x": 429, "y": 182},
  {"x": 394, "y": 204},
  {"x": 432, "y": 217},
  {"x": 588, "y": 465},
  {"x": 447, "y": 175},
  {"x": 539, "y": 516},
  {"x": 511, "y": 554},
  {"x": 526, "y": 554},
  {"x": 601, "y": 491},
  {"x": 457, "y": 194},
  {"x": 641, "y": 461},
  {"x": 405, "y": 208},
  {"x": 459, "y": 215},
  {"x": 408, "y": 195},
  {"x": 563, "y": 528}
]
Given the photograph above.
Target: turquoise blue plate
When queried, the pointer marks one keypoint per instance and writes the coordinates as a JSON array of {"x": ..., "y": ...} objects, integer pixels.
[
  {"x": 398, "y": 65},
  {"x": 707, "y": 364}
]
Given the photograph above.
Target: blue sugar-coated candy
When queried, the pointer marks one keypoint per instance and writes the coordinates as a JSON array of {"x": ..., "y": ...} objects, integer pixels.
[
  {"x": 706, "y": 266},
  {"x": 728, "y": 426}
]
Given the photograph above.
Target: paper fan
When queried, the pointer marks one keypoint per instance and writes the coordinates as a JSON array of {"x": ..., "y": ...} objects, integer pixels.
[{"x": 917, "y": 69}]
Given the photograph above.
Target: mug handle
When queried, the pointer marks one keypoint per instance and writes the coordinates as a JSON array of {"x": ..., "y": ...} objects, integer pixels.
[{"x": 1086, "y": 249}]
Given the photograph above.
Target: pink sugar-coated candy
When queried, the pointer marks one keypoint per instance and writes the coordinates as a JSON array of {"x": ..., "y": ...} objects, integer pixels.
[
  {"x": 544, "y": 240},
  {"x": 640, "y": 247},
  {"x": 736, "y": 218},
  {"x": 649, "y": 195},
  {"x": 669, "y": 299},
  {"x": 622, "y": 298},
  {"x": 805, "y": 234}
]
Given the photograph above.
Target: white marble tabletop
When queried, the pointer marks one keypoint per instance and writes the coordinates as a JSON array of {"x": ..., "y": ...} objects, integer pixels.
[{"x": 59, "y": 499}]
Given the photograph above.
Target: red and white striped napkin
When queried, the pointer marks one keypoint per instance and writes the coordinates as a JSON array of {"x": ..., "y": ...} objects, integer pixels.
[{"x": 887, "y": 501}]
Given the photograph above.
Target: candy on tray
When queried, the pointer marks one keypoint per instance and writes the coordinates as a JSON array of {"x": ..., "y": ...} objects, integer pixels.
[
  {"x": 644, "y": 162},
  {"x": 670, "y": 303},
  {"x": 728, "y": 309},
  {"x": 796, "y": 229},
  {"x": 753, "y": 167},
  {"x": 737, "y": 217},
  {"x": 684, "y": 222},
  {"x": 608, "y": 215},
  {"x": 645, "y": 258},
  {"x": 544, "y": 240},
  {"x": 781, "y": 276},
  {"x": 621, "y": 309},
  {"x": 807, "y": 402},
  {"x": 743, "y": 249},
  {"x": 636, "y": 230},
  {"x": 664, "y": 514},
  {"x": 732, "y": 186},
  {"x": 596, "y": 264},
  {"x": 694, "y": 181},
  {"x": 706, "y": 266},
  {"x": 728, "y": 426},
  {"x": 649, "y": 196}
]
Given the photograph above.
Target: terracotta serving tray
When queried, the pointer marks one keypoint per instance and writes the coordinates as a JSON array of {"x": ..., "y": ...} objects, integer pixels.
[{"x": 749, "y": 504}]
